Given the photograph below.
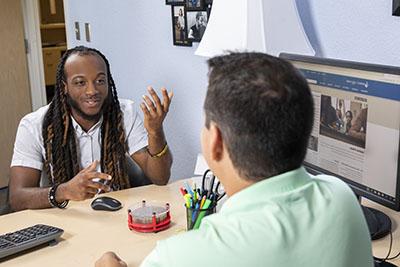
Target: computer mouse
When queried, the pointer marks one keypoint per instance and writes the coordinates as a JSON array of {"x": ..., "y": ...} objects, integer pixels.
[{"x": 106, "y": 203}]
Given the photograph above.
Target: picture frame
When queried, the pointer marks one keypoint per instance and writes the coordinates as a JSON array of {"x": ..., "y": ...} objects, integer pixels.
[
  {"x": 194, "y": 5},
  {"x": 179, "y": 26},
  {"x": 196, "y": 24},
  {"x": 175, "y": 2}
]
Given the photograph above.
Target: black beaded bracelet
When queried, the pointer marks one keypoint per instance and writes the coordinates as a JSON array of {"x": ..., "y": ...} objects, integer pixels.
[{"x": 52, "y": 198}]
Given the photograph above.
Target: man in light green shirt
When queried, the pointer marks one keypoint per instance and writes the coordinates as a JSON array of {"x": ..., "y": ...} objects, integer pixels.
[{"x": 259, "y": 114}]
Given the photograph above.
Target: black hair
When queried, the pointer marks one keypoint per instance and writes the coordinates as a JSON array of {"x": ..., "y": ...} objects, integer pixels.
[{"x": 264, "y": 109}]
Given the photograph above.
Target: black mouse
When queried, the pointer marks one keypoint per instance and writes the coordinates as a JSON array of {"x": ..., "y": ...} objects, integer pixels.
[{"x": 106, "y": 203}]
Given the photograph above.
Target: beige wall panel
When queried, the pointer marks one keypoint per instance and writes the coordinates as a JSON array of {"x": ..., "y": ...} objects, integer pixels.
[{"x": 15, "y": 99}]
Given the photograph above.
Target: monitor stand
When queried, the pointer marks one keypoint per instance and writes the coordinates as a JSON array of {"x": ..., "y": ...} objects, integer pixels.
[{"x": 379, "y": 223}]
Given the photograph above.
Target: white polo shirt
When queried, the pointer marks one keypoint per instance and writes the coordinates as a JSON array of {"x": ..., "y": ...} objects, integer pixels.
[{"x": 29, "y": 150}]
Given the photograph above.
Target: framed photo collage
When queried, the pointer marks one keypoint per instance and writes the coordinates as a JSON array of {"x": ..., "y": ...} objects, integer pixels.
[{"x": 189, "y": 20}]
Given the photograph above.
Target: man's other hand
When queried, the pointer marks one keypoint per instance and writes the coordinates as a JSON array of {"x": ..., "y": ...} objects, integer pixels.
[
  {"x": 83, "y": 185},
  {"x": 110, "y": 259},
  {"x": 154, "y": 111}
]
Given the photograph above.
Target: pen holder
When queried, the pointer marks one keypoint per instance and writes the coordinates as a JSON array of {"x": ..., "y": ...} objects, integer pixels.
[{"x": 194, "y": 216}]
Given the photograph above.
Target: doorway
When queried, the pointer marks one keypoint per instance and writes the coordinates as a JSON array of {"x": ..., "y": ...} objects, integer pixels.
[
  {"x": 53, "y": 39},
  {"x": 45, "y": 39}
]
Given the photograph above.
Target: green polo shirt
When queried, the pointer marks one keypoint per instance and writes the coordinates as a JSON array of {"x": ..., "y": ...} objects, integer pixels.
[{"x": 292, "y": 219}]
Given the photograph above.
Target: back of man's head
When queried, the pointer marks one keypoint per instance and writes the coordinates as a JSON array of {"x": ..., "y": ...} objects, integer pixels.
[{"x": 264, "y": 109}]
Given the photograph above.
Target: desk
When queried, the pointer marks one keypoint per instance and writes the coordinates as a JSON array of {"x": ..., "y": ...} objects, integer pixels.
[
  {"x": 380, "y": 247},
  {"x": 88, "y": 233}
]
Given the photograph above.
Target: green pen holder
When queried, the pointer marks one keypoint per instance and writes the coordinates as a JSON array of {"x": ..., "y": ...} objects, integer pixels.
[{"x": 195, "y": 216}]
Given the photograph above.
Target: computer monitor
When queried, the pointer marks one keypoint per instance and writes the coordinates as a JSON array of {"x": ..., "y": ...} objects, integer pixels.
[{"x": 356, "y": 132}]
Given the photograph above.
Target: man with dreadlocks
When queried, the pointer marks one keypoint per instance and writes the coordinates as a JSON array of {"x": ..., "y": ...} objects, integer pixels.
[{"x": 63, "y": 149}]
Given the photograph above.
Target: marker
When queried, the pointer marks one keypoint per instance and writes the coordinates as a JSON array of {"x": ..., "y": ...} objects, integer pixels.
[
  {"x": 183, "y": 192},
  {"x": 202, "y": 214},
  {"x": 202, "y": 202},
  {"x": 187, "y": 200}
]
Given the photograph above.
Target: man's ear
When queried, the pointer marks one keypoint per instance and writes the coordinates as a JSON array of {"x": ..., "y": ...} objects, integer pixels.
[
  {"x": 216, "y": 143},
  {"x": 64, "y": 87}
]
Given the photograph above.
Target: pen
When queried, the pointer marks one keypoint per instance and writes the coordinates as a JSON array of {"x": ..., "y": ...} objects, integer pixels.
[
  {"x": 194, "y": 192},
  {"x": 188, "y": 189},
  {"x": 196, "y": 210}
]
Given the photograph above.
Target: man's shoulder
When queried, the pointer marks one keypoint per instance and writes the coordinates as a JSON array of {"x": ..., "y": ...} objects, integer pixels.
[
  {"x": 338, "y": 195},
  {"x": 126, "y": 105},
  {"x": 332, "y": 181},
  {"x": 36, "y": 117}
]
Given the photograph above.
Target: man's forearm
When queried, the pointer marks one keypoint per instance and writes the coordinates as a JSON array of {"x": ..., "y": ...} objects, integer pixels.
[
  {"x": 158, "y": 168},
  {"x": 29, "y": 198}
]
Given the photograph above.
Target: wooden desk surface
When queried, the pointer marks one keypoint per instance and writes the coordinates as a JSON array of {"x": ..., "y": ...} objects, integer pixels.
[{"x": 88, "y": 233}]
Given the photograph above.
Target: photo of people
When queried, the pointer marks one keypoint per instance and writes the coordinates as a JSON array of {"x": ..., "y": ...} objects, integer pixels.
[
  {"x": 179, "y": 26},
  {"x": 197, "y": 23},
  {"x": 344, "y": 120},
  {"x": 194, "y": 4}
]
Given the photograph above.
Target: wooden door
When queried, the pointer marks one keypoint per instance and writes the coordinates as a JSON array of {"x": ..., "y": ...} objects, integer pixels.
[{"x": 15, "y": 99}]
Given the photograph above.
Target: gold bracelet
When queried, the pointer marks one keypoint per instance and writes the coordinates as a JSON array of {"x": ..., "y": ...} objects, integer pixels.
[{"x": 159, "y": 154}]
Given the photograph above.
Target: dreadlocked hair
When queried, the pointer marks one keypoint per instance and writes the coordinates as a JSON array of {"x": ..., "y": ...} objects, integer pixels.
[{"x": 61, "y": 163}]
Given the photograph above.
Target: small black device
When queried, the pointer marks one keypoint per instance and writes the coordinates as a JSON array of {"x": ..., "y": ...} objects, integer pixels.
[
  {"x": 14, "y": 242},
  {"x": 106, "y": 203}
]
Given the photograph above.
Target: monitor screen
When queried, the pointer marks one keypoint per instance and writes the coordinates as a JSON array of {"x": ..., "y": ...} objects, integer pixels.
[{"x": 356, "y": 132}]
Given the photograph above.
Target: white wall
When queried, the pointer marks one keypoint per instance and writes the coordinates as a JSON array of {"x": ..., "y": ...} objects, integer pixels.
[
  {"x": 136, "y": 36},
  {"x": 358, "y": 30}
]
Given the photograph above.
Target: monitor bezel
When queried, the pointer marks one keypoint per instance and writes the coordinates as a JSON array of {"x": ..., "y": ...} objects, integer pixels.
[{"x": 356, "y": 187}]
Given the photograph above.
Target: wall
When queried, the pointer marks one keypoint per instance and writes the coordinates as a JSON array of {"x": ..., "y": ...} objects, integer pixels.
[
  {"x": 358, "y": 30},
  {"x": 136, "y": 37},
  {"x": 15, "y": 96}
]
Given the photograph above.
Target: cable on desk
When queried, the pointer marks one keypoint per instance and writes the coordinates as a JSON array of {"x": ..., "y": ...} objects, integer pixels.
[{"x": 388, "y": 254}]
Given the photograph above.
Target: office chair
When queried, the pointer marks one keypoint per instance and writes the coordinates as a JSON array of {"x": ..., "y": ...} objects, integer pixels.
[
  {"x": 6, "y": 208},
  {"x": 135, "y": 173}
]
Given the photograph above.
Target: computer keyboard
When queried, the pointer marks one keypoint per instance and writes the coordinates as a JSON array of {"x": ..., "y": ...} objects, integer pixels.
[{"x": 27, "y": 238}]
